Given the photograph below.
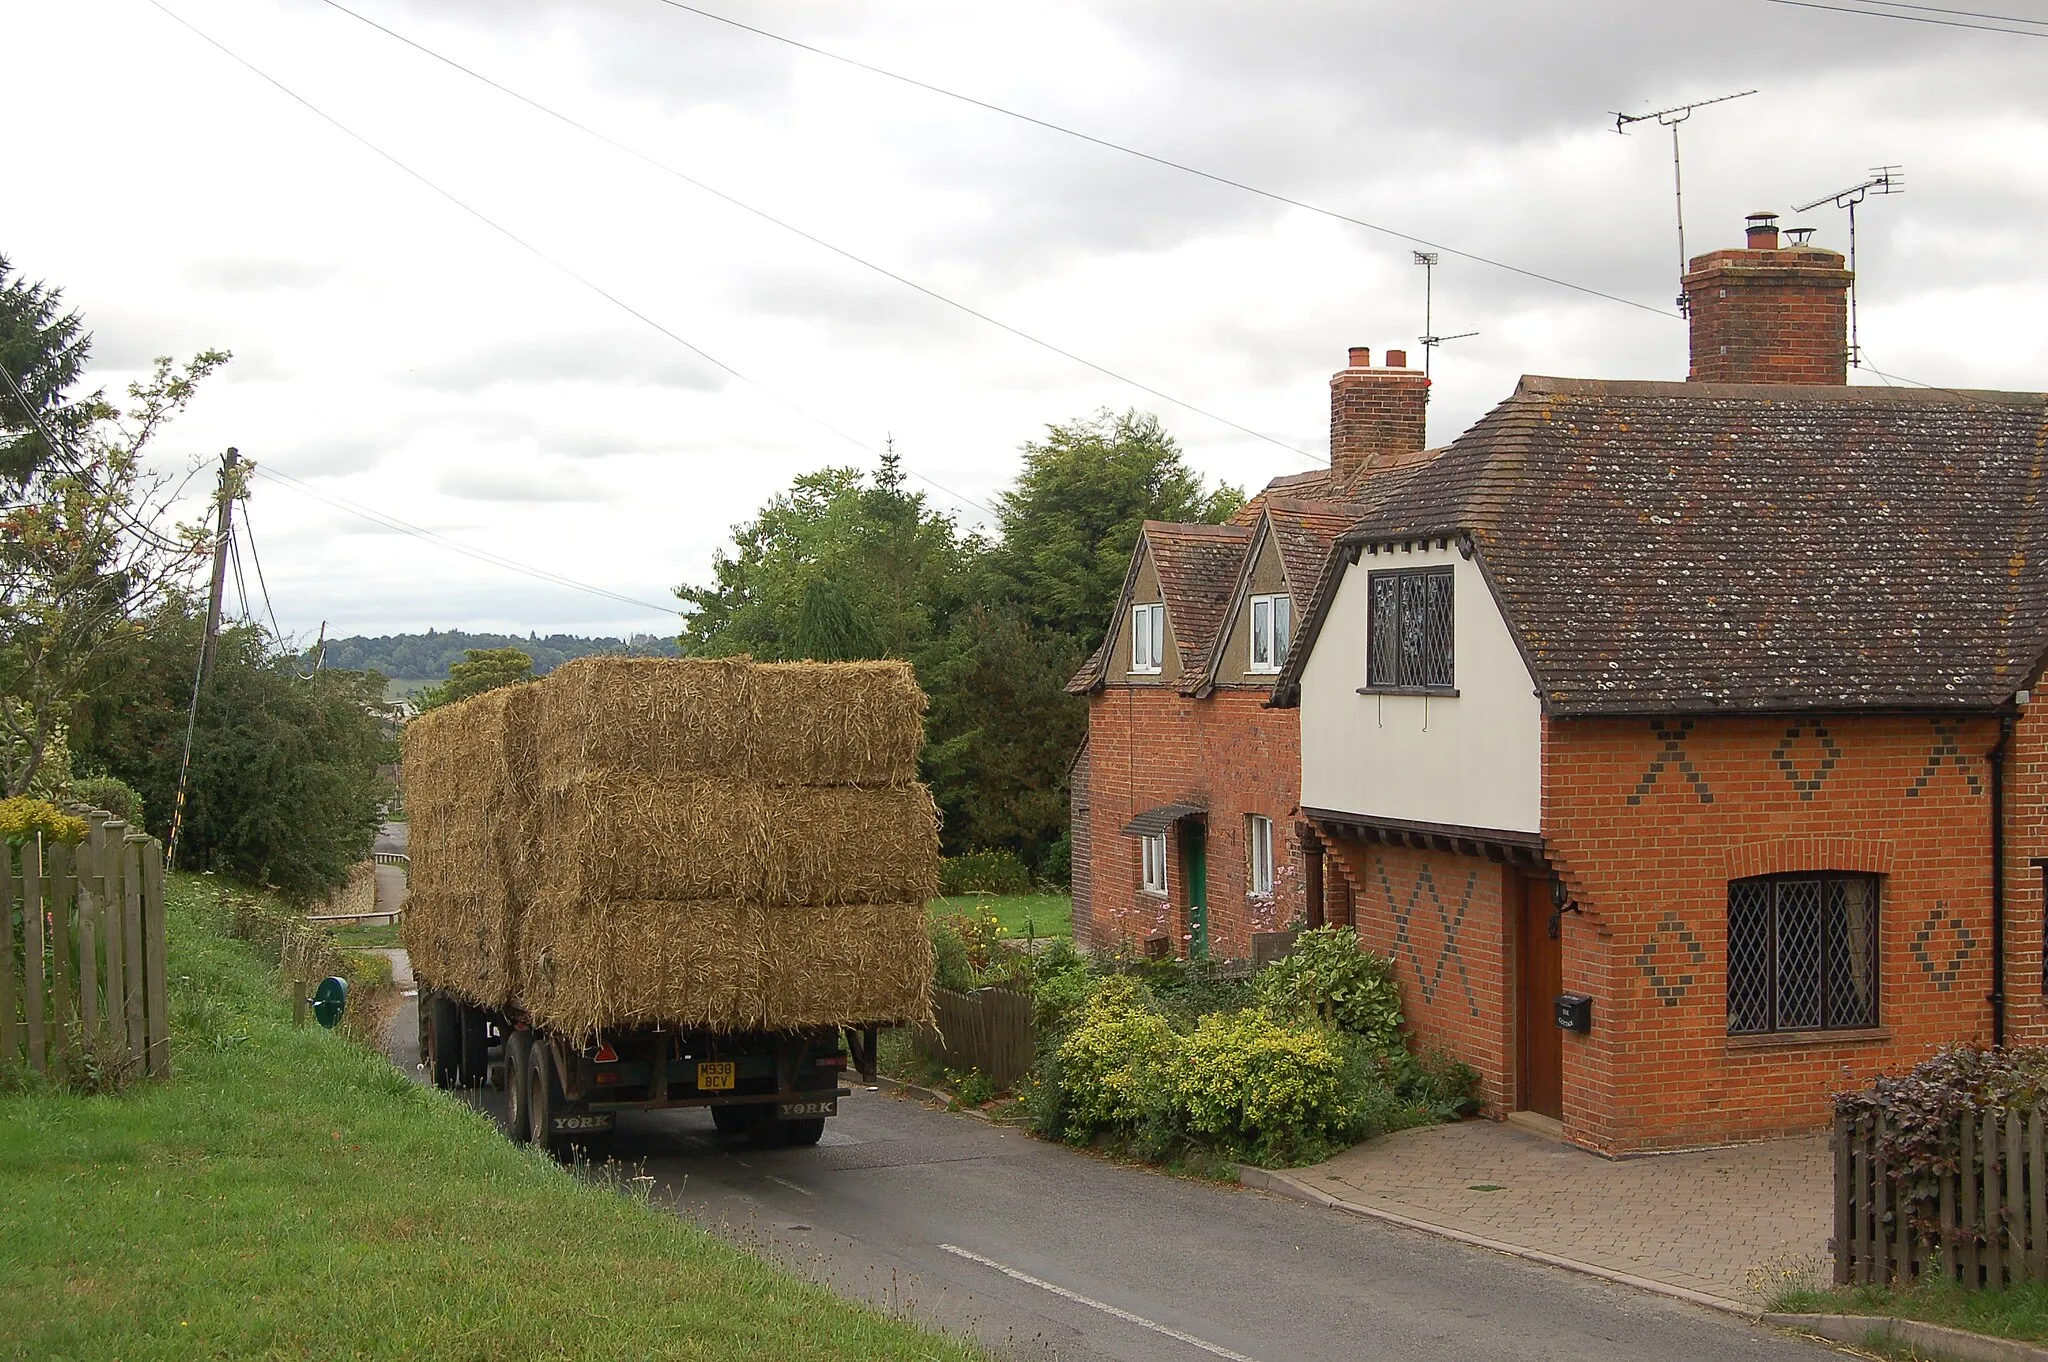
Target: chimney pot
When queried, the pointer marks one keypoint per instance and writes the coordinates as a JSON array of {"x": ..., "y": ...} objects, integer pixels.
[
  {"x": 1361, "y": 357},
  {"x": 1397, "y": 359},
  {"x": 1763, "y": 231}
]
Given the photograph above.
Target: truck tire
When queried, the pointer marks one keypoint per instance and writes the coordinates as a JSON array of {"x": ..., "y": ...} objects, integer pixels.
[
  {"x": 732, "y": 1120},
  {"x": 544, "y": 1101},
  {"x": 444, "y": 1043},
  {"x": 475, "y": 1059},
  {"x": 518, "y": 1059},
  {"x": 771, "y": 1132}
]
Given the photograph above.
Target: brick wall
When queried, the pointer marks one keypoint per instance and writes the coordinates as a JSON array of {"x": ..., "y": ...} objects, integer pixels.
[
  {"x": 1080, "y": 838},
  {"x": 1150, "y": 745},
  {"x": 1444, "y": 922},
  {"x": 1649, "y": 820}
]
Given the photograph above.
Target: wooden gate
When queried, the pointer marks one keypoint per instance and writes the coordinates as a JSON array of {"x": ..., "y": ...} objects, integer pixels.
[
  {"x": 1982, "y": 1223},
  {"x": 82, "y": 953}
]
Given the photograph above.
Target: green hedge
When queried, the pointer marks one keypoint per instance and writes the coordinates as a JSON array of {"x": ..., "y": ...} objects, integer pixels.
[{"x": 984, "y": 872}]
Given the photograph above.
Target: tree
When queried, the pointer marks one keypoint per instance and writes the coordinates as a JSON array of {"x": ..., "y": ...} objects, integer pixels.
[
  {"x": 480, "y": 670},
  {"x": 86, "y": 544},
  {"x": 1069, "y": 524},
  {"x": 284, "y": 785},
  {"x": 838, "y": 566},
  {"x": 43, "y": 350}
]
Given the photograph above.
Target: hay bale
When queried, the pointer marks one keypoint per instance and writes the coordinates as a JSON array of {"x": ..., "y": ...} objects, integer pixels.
[
  {"x": 721, "y": 965},
  {"x": 836, "y": 723},
  {"x": 618, "y": 836},
  {"x": 703, "y": 843}
]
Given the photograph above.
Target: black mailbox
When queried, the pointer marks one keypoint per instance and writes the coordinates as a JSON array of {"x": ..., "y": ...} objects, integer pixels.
[{"x": 1574, "y": 1012}]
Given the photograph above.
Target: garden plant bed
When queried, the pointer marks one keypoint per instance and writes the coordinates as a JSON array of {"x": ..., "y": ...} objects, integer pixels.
[{"x": 288, "y": 1193}]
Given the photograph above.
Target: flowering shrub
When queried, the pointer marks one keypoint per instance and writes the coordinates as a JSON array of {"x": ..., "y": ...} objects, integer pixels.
[{"x": 21, "y": 819}]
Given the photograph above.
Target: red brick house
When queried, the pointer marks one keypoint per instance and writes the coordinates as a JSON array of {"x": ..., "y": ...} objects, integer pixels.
[
  {"x": 1186, "y": 836},
  {"x": 1708, "y": 704}
]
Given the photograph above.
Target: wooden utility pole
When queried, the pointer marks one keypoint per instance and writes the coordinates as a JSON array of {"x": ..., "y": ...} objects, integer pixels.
[{"x": 224, "y": 523}]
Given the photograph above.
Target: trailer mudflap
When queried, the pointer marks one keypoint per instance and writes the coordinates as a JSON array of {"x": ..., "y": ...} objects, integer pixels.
[{"x": 583, "y": 1122}]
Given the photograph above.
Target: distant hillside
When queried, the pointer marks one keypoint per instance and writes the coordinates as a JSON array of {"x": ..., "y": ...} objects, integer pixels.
[{"x": 421, "y": 658}]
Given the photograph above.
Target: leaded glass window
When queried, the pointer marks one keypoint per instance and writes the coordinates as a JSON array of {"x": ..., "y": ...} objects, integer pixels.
[
  {"x": 1411, "y": 630},
  {"x": 1802, "y": 953}
]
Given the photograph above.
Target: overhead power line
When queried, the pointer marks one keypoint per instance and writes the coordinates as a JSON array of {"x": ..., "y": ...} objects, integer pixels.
[
  {"x": 392, "y": 522},
  {"x": 541, "y": 255},
  {"x": 1165, "y": 161},
  {"x": 254, "y": 557},
  {"x": 1966, "y": 13},
  {"x": 1918, "y": 18},
  {"x": 816, "y": 240}
]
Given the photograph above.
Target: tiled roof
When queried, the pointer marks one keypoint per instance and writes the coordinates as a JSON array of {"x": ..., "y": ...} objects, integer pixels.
[
  {"x": 1197, "y": 566},
  {"x": 1305, "y": 532},
  {"x": 1662, "y": 547}
]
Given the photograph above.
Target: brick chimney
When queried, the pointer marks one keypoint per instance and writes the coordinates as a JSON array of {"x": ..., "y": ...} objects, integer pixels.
[
  {"x": 1766, "y": 314},
  {"x": 1376, "y": 415}
]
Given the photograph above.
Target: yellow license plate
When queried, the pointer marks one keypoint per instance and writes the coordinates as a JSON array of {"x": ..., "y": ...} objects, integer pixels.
[{"x": 715, "y": 1077}]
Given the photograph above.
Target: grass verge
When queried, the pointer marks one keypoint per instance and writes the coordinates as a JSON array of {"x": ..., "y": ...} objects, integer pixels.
[
  {"x": 289, "y": 1194},
  {"x": 2016, "y": 1312},
  {"x": 366, "y": 936},
  {"x": 1021, "y": 916}
]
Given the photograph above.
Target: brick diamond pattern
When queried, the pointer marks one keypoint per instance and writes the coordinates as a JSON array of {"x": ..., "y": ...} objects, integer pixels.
[
  {"x": 1451, "y": 921},
  {"x": 1672, "y": 754},
  {"x": 1943, "y": 964},
  {"x": 1687, "y": 955},
  {"x": 1808, "y": 785}
]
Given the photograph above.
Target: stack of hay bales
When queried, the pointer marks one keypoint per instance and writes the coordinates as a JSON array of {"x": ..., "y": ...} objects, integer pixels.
[{"x": 707, "y": 843}]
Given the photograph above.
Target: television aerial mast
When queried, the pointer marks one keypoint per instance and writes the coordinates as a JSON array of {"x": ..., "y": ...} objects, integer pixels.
[
  {"x": 1883, "y": 180},
  {"x": 1671, "y": 118},
  {"x": 1429, "y": 338}
]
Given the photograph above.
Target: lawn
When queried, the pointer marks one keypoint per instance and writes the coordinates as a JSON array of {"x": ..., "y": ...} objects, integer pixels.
[
  {"x": 1021, "y": 915},
  {"x": 2015, "y": 1312},
  {"x": 289, "y": 1194}
]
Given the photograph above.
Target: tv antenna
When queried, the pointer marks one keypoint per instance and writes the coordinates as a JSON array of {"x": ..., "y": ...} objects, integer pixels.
[
  {"x": 1671, "y": 118},
  {"x": 1883, "y": 180},
  {"x": 1429, "y": 338}
]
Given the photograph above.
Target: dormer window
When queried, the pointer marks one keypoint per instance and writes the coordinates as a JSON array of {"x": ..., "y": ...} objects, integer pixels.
[
  {"x": 1272, "y": 624},
  {"x": 1148, "y": 638}
]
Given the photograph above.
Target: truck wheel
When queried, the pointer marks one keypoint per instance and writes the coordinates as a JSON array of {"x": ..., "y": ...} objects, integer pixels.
[
  {"x": 475, "y": 1058},
  {"x": 444, "y": 1044},
  {"x": 803, "y": 1133},
  {"x": 544, "y": 1101},
  {"x": 732, "y": 1120},
  {"x": 518, "y": 1059},
  {"x": 771, "y": 1132}
]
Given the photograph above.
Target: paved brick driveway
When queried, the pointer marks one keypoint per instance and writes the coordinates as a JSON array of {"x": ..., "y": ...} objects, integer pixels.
[{"x": 1710, "y": 1221}]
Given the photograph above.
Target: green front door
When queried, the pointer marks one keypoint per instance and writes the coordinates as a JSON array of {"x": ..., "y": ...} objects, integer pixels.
[{"x": 1195, "y": 841}]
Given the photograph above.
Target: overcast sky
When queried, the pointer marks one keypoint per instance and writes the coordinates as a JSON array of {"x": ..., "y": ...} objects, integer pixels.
[{"x": 393, "y": 350}]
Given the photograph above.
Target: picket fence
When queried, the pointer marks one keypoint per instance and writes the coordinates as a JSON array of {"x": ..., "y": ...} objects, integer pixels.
[
  {"x": 1989, "y": 1214},
  {"x": 989, "y": 1029},
  {"x": 82, "y": 953}
]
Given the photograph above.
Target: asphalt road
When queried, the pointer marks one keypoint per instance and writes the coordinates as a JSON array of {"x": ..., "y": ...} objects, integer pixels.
[{"x": 1047, "y": 1253}]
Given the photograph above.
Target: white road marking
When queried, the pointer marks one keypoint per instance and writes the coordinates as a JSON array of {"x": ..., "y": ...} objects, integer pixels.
[
  {"x": 785, "y": 1182},
  {"x": 1126, "y": 1316}
]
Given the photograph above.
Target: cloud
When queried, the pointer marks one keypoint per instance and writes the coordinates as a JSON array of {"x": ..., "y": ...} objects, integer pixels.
[
  {"x": 522, "y": 484},
  {"x": 589, "y": 357},
  {"x": 261, "y": 274}
]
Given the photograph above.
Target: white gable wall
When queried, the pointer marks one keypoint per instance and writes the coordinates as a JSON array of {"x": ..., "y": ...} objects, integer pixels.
[{"x": 1473, "y": 759}]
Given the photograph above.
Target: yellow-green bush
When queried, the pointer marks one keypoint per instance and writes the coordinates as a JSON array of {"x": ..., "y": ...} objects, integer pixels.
[
  {"x": 22, "y": 818},
  {"x": 1112, "y": 1061},
  {"x": 1260, "y": 1088}
]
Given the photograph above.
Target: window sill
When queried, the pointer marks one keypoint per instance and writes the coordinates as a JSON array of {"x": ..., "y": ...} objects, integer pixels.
[
  {"x": 1808, "y": 1040},
  {"x": 1442, "y": 692},
  {"x": 1143, "y": 892}
]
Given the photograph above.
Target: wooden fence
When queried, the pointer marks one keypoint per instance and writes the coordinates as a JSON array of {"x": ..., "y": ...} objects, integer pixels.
[
  {"x": 82, "y": 953},
  {"x": 989, "y": 1029},
  {"x": 1983, "y": 1223}
]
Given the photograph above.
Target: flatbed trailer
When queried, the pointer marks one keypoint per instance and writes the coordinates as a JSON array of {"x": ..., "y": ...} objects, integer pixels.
[{"x": 775, "y": 1087}]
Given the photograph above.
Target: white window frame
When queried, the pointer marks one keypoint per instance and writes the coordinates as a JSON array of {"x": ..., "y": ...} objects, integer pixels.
[
  {"x": 1258, "y": 841},
  {"x": 1148, "y": 638},
  {"x": 1152, "y": 863},
  {"x": 1268, "y": 644}
]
